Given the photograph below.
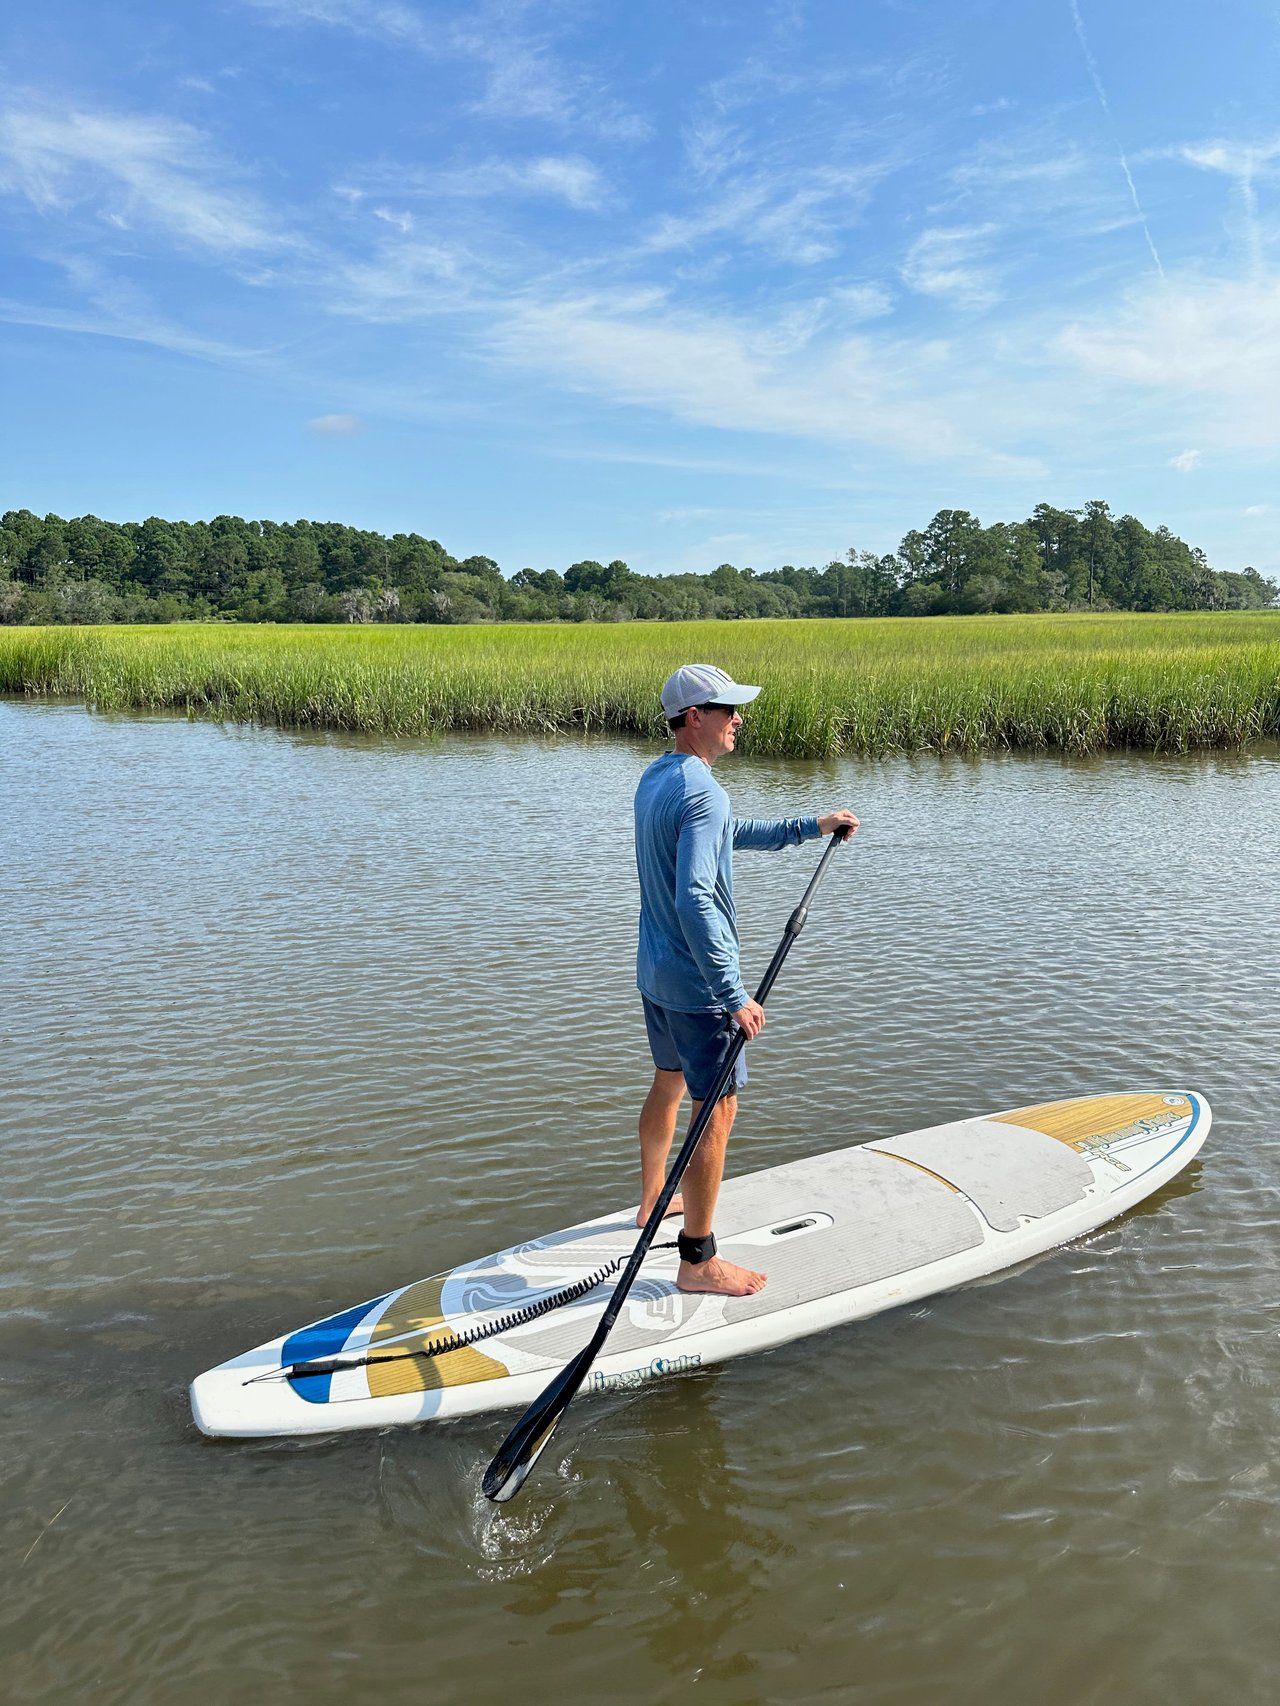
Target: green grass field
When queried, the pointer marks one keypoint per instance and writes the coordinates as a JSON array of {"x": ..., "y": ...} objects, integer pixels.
[{"x": 970, "y": 684}]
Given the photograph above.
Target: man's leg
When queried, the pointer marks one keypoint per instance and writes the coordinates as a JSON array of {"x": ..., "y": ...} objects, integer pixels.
[
  {"x": 657, "y": 1129},
  {"x": 702, "y": 1187}
]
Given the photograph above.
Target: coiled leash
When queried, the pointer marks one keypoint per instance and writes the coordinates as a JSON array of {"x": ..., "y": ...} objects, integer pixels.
[{"x": 470, "y": 1335}]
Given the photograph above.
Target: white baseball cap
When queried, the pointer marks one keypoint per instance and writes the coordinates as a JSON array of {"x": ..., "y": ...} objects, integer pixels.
[{"x": 702, "y": 684}]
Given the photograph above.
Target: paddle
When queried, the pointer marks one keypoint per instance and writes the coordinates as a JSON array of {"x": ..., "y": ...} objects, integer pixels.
[{"x": 522, "y": 1447}]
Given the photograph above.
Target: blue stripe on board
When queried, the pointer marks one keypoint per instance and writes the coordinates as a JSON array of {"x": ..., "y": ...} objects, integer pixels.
[{"x": 323, "y": 1339}]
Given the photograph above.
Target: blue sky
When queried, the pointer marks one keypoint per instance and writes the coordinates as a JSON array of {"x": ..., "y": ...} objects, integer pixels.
[{"x": 679, "y": 283}]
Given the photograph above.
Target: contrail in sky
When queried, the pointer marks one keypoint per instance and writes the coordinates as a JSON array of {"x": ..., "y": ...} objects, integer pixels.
[{"x": 1124, "y": 164}]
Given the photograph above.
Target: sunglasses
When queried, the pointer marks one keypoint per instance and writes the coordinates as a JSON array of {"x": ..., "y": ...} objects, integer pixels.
[{"x": 712, "y": 706}]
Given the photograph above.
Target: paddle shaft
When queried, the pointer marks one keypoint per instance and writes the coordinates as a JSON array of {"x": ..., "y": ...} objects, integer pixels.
[{"x": 522, "y": 1446}]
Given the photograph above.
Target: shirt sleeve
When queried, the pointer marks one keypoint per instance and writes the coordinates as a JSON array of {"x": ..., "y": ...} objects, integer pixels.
[
  {"x": 770, "y": 833},
  {"x": 703, "y": 822}
]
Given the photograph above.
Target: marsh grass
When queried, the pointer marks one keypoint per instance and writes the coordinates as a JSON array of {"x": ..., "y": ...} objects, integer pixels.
[{"x": 1079, "y": 684}]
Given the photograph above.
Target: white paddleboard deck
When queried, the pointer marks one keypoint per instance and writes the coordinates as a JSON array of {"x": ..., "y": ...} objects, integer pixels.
[{"x": 841, "y": 1237}]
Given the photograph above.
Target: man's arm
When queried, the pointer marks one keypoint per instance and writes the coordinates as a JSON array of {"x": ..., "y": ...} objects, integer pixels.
[{"x": 770, "y": 833}]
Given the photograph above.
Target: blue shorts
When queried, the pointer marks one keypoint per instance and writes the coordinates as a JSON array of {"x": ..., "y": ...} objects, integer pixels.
[{"x": 695, "y": 1044}]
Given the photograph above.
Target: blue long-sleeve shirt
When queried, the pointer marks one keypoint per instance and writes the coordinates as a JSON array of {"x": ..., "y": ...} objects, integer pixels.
[{"x": 685, "y": 836}]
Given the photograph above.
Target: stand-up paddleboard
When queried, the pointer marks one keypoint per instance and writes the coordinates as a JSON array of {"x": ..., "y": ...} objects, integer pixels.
[{"x": 841, "y": 1236}]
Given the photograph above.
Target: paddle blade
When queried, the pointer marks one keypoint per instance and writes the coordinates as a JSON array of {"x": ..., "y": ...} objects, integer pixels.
[{"x": 526, "y": 1442}]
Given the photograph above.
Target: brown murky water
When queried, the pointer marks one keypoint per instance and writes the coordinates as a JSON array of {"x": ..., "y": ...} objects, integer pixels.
[{"x": 290, "y": 1020}]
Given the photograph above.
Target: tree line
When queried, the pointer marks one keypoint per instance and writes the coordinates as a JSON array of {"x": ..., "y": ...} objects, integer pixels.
[{"x": 86, "y": 570}]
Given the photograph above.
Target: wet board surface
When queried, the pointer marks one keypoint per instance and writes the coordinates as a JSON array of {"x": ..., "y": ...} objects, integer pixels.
[{"x": 841, "y": 1236}]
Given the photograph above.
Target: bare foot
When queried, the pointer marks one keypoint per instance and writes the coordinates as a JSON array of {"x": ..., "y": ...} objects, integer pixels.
[
  {"x": 720, "y": 1278},
  {"x": 675, "y": 1206}
]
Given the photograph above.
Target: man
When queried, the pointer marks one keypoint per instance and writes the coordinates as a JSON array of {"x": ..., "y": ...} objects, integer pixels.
[{"x": 687, "y": 968}]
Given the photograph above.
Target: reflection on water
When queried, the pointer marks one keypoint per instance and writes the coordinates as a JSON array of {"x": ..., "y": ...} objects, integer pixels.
[{"x": 291, "y": 1019}]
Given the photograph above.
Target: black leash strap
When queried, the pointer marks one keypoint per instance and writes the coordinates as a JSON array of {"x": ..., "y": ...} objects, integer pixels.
[{"x": 456, "y": 1341}]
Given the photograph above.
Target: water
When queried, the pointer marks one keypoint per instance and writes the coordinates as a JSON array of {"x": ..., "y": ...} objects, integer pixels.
[{"x": 288, "y": 1020}]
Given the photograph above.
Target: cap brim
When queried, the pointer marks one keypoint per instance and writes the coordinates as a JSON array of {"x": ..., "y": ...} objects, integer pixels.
[{"x": 737, "y": 694}]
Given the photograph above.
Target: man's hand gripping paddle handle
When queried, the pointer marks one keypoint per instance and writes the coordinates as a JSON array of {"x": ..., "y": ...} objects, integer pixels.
[{"x": 526, "y": 1442}]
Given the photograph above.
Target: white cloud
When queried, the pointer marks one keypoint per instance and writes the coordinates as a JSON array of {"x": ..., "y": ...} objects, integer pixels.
[
  {"x": 1038, "y": 183},
  {"x": 567, "y": 177},
  {"x": 798, "y": 213},
  {"x": 861, "y": 301},
  {"x": 337, "y": 426},
  {"x": 1244, "y": 163},
  {"x": 1187, "y": 461},
  {"x": 1028, "y": 160},
  {"x": 384, "y": 20},
  {"x": 134, "y": 171},
  {"x": 1236, "y": 159},
  {"x": 402, "y": 282},
  {"x": 138, "y": 328},
  {"x": 714, "y": 148},
  {"x": 113, "y": 308},
  {"x": 942, "y": 262},
  {"x": 1210, "y": 345},
  {"x": 756, "y": 173},
  {"x": 718, "y": 143},
  {"x": 575, "y": 180},
  {"x": 1258, "y": 509},
  {"x": 522, "y": 78},
  {"x": 779, "y": 375}
]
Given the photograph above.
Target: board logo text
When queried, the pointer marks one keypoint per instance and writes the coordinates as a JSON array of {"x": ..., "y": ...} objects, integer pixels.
[{"x": 634, "y": 1377}]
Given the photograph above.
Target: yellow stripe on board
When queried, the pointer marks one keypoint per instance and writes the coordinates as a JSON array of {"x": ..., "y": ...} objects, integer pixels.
[
  {"x": 418, "y": 1309},
  {"x": 408, "y": 1373},
  {"x": 1085, "y": 1120}
]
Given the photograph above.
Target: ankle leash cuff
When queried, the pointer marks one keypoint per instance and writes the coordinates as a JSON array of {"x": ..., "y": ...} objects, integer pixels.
[{"x": 696, "y": 1250}]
